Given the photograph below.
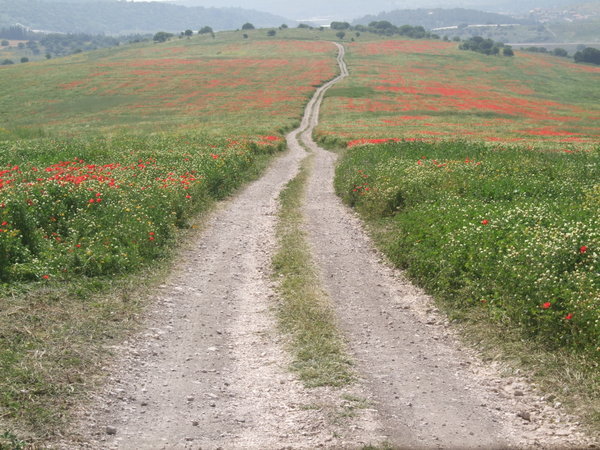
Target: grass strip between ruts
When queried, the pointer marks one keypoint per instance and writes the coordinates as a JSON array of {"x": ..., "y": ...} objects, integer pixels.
[{"x": 319, "y": 356}]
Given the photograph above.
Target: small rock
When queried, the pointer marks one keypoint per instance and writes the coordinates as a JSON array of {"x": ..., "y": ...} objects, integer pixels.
[
  {"x": 111, "y": 430},
  {"x": 525, "y": 415},
  {"x": 518, "y": 394},
  {"x": 195, "y": 423},
  {"x": 190, "y": 398}
]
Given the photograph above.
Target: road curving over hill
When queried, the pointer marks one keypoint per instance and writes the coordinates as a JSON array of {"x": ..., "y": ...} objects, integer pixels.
[
  {"x": 210, "y": 369},
  {"x": 427, "y": 389}
]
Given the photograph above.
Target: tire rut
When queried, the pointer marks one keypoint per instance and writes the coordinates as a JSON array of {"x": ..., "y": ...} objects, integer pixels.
[
  {"x": 429, "y": 391},
  {"x": 210, "y": 369}
]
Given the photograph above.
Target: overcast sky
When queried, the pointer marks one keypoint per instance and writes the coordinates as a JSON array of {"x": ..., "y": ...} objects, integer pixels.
[{"x": 349, "y": 9}]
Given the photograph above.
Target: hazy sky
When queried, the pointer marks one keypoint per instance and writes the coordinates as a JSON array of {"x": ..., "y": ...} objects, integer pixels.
[{"x": 348, "y": 9}]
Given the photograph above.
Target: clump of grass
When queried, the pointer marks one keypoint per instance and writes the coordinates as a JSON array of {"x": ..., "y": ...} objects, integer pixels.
[
  {"x": 304, "y": 313},
  {"x": 54, "y": 341}
]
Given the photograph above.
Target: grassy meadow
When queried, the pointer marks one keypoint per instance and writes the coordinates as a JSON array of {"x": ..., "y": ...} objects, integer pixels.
[
  {"x": 105, "y": 159},
  {"x": 430, "y": 90},
  {"x": 480, "y": 176},
  {"x": 485, "y": 188}
]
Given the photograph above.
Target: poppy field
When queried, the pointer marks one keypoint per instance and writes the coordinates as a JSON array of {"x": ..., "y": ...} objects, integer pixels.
[
  {"x": 430, "y": 90},
  {"x": 481, "y": 175},
  {"x": 508, "y": 231},
  {"x": 134, "y": 141}
]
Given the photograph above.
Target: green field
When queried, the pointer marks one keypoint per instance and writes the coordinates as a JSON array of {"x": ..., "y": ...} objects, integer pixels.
[
  {"x": 430, "y": 90},
  {"x": 105, "y": 159},
  {"x": 478, "y": 175}
]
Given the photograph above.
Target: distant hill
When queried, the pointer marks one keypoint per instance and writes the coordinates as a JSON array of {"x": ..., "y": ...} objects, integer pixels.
[
  {"x": 352, "y": 9},
  {"x": 437, "y": 18},
  {"x": 117, "y": 17}
]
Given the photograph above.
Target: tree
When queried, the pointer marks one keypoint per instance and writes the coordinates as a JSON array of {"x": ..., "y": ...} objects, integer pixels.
[
  {"x": 588, "y": 55},
  {"x": 340, "y": 25},
  {"x": 162, "y": 36},
  {"x": 4, "y": 43},
  {"x": 188, "y": 33},
  {"x": 245, "y": 36},
  {"x": 508, "y": 51},
  {"x": 560, "y": 52},
  {"x": 206, "y": 30},
  {"x": 271, "y": 33},
  {"x": 24, "y": 59},
  {"x": 247, "y": 26},
  {"x": 7, "y": 62},
  {"x": 283, "y": 26},
  {"x": 340, "y": 34}
]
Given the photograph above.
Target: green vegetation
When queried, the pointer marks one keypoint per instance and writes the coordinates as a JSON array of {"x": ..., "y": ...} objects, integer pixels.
[
  {"x": 304, "y": 313},
  {"x": 82, "y": 208},
  {"x": 384, "y": 27},
  {"x": 485, "y": 46},
  {"x": 503, "y": 237},
  {"x": 103, "y": 170},
  {"x": 588, "y": 55},
  {"x": 431, "y": 90}
]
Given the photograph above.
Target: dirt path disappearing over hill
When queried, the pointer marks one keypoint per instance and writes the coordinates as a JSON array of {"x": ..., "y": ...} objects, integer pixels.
[{"x": 211, "y": 370}]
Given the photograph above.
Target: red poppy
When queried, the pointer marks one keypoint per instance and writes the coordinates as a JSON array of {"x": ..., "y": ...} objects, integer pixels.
[
  {"x": 583, "y": 249},
  {"x": 4, "y": 223},
  {"x": 484, "y": 222},
  {"x": 45, "y": 277},
  {"x": 546, "y": 305},
  {"x": 569, "y": 316}
]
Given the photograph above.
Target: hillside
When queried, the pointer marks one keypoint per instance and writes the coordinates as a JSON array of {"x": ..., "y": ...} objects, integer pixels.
[
  {"x": 108, "y": 17},
  {"x": 484, "y": 188},
  {"x": 435, "y": 18},
  {"x": 432, "y": 90},
  {"x": 350, "y": 9}
]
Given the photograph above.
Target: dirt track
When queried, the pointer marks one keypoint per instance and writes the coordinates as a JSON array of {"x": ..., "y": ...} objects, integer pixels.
[{"x": 210, "y": 370}]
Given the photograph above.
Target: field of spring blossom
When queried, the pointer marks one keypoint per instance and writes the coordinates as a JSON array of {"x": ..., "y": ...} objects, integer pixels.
[
  {"x": 478, "y": 174},
  {"x": 124, "y": 145},
  {"x": 485, "y": 173},
  {"x": 430, "y": 90}
]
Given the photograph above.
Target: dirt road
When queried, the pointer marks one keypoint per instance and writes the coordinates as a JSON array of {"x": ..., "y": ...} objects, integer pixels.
[{"x": 211, "y": 370}]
